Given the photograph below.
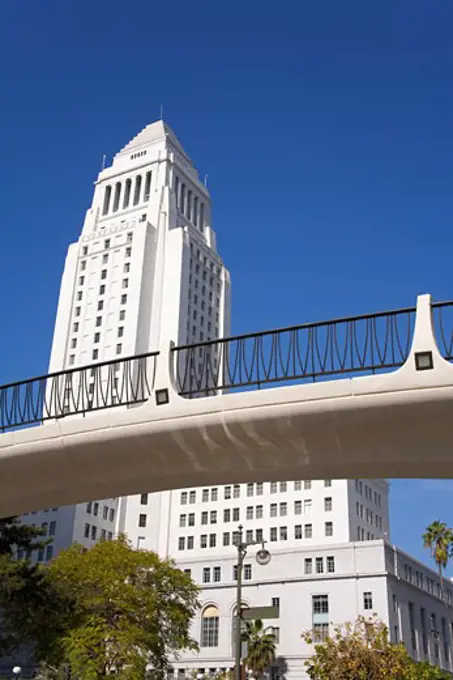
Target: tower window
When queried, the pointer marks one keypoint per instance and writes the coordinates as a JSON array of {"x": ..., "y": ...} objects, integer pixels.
[
  {"x": 201, "y": 216},
  {"x": 137, "y": 189},
  {"x": 189, "y": 205},
  {"x": 116, "y": 198},
  {"x": 195, "y": 211},
  {"x": 182, "y": 198},
  {"x": 127, "y": 193},
  {"x": 147, "y": 186},
  {"x": 107, "y": 196}
]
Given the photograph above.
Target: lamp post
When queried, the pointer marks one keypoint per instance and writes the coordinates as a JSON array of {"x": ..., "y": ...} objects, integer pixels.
[
  {"x": 262, "y": 557},
  {"x": 17, "y": 670}
]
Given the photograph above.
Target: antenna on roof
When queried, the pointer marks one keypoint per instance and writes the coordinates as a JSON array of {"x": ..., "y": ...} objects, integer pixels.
[
  {"x": 206, "y": 180},
  {"x": 161, "y": 112},
  {"x": 104, "y": 158}
]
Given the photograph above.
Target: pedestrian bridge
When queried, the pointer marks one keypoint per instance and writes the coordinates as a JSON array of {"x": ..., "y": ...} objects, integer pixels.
[{"x": 366, "y": 396}]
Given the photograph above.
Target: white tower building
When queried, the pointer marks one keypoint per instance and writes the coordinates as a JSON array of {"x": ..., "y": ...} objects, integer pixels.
[{"x": 145, "y": 271}]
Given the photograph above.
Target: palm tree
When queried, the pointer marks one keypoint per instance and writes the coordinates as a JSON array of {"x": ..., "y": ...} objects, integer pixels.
[
  {"x": 261, "y": 647},
  {"x": 439, "y": 539}
]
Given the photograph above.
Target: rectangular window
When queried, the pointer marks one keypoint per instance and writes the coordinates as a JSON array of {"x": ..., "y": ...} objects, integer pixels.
[
  {"x": 247, "y": 572},
  {"x": 204, "y": 541},
  {"x": 236, "y": 491},
  {"x": 190, "y": 542},
  {"x": 183, "y": 498},
  {"x": 273, "y": 534},
  {"x": 75, "y": 327},
  {"x": 249, "y": 489},
  {"x": 308, "y": 531},
  {"x": 206, "y": 575},
  {"x": 283, "y": 487},
  {"x": 49, "y": 552},
  {"x": 214, "y": 494},
  {"x": 329, "y": 528},
  {"x": 181, "y": 543},
  {"x": 182, "y": 520},
  {"x": 298, "y": 485},
  {"x": 328, "y": 504},
  {"x": 144, "y": 499},
  {"x": 212, "y": 540},
  {"x": 307, "y": 484},
  {"x": 330, "y": 564},
  {"x": 227, "y": 515},
  {"x": 86, "y": 533},
  {"x": 320, "y": 604},
  {"x": 94, "y": 531},
  {"x": 283, "y": 533},
  {"x": 259, "y": 536},
  {"x": 96, "y": 509},
  {"x": 297, "y": 507},
  {"x": 273, "y": 509},
  {"x": 367, "y": 600},
  {"x": 249, "y": 512},
  {"x": 213, "y": 517},
  {"x": 273, "y": 487},
  {"x": 227, "y": 493},
  {"x": 259, "y": 489},
  {"x": 191, "y": 519},
  {"x": 112, "y": 514},
  {"x": 204, "y": 517},
  {"x": 105, "y": 512},
  {"x": 124, "y": 298},
  {"x": 119, "y": 348},
  {"x": 249, "y": 536},
  {"x": 205, "y": 495},
  {"x": 283, "y": 509},
  {"x": 209, "y": 629},
  {"x": 97, "y": 337},
  {"x": 120, "y": 331},
  {"x": 95, "y": 354},
  {"x": 142, "y": 520},
  {"x": 319, "y": 565},
  {"x": 308, "y": 506},
  {"x": 226, "y": 538},
  {"x": 298, "y": 531},
  {"x": 320, "y": 632},
  {"x": 308, "y": 565},
  {"x": 192, "y": 497},
  {"x": 235, "y": 514},
  {"x": 217, "y": 574},
  {"x": 52, "y": 528}
]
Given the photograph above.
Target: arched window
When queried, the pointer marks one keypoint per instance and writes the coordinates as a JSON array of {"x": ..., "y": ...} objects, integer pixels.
[
  {"x": 116, "y": 198},
  {"x": 210, "y": 627},
  {"x": 127, "y": 193},
  {"x": 189, "y": 205},
  {"x": 137, "y": 190},
  {"x": 147, "y": 186},
  {"x": 195, "y": 211},
  {"x": 182, "y": 198},
  {"x": 107, "y": 195}
]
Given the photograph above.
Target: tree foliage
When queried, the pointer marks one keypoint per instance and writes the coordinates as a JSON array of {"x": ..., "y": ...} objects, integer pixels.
[
  {"x": 130, "y": 610},
  {"x": 363, "y": 651},
  {"x": 26, "y": 598},
  {"x": 261, "y": 646}
]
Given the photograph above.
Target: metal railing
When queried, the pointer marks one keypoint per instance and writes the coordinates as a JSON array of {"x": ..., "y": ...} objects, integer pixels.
[
  {"x": 120, "y": 382},
  {"x": 368, "y": 343},
  {"x": 442, "y": 315}
]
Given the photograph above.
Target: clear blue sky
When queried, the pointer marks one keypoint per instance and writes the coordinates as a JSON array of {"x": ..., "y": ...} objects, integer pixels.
[{"x": 325, "y": 128}]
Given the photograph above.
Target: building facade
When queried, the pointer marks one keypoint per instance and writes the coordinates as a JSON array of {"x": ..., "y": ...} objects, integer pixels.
[{"x": 315, "y": 588}]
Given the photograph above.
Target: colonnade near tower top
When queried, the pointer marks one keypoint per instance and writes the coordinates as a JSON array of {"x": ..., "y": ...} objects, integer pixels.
[{"x": 394, "y": 424}]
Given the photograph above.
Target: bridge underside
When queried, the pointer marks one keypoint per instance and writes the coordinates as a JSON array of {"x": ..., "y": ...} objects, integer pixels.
[{"x": 398, "y": 424}]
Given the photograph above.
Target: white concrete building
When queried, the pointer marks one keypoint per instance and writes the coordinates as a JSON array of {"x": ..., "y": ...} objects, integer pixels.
[
  {"x": 315, "y": 588},
  {"x": 145, "y": 272}
]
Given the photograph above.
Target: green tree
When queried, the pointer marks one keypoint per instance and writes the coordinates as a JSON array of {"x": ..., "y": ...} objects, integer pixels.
[
  {"x": 358, "y": 651},
  {"x": 261, "y": 647},
  {"x": 26, "y": 598},
  {"x": 438, "y": 537},
  {"x": 131, "y": 610}
]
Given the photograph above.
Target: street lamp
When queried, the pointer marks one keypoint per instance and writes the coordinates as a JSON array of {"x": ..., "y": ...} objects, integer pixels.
[
  {"x": 263, "y": 557},
  {"x": 17, "y": 670}
]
